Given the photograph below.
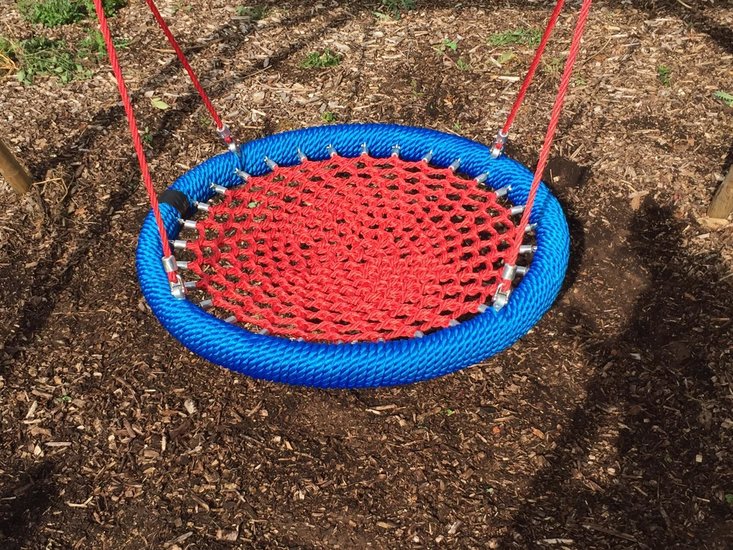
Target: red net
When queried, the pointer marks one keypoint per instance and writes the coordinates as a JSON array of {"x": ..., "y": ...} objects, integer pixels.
[{"x": 351, "y": 249}]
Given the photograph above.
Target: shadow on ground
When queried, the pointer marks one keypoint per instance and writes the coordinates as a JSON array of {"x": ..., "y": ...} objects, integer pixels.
[{"x": 655, "y": 399}]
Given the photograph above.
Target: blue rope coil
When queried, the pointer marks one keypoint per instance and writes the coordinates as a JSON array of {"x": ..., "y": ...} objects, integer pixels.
[{"x": 367, "y": 364}]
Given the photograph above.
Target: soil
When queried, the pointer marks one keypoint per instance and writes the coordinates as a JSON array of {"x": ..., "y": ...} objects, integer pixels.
[{"x": 610, "y": 425}]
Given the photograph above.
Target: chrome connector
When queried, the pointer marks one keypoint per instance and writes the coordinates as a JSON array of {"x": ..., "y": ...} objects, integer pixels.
[
  {"x": 502, "y": 191},
  {"x": 522, "y": 270},
  {"x": 481, "y": 178},
  {"x": 499, "y": 143},
  {"x": 179, "y": 244},
  {"x": 271, "y": 164},
  {"x": 225, "y": 134},
  {"x": 516, "y": 210},
  {"x": 527, "y": 249},
  {"x": 180, "y": 264},
  {"x": 169, "y": 264},
  {"x": 301, "y": 155},
  {"x": 418, "y": 334},
  {"x": 201, "y": 206},
  {"x": 509, "y": 272},
  {"x": 242, "y": 175},
  {"x": 206, "y": 304},
  {"x": 501, "y": 298},
  {"x": 188, "y": 224},
  {"x": 331, "y": 150},
  {"x": 396, "y": 150},
  {"x": 453, "y": 323},
  {"x": 230, "y": 319},
  {"x": 482, "y": 308},
  {"x": 190, "y": 285},
  {"x": 218, "y": 189},
  {"x": 428, "y": 156},
  {"x": 364, "y": 149},
  {"x": 530, "y": 227},
  {"x": 455, "y": 165},
  {"x": 178, "y": 289}
]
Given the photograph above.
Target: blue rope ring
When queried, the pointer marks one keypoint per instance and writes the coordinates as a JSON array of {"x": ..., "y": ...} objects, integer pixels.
[{"x": 367, "y": 364}]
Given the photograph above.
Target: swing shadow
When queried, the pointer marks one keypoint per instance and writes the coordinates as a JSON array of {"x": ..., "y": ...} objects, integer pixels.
[
  {"x": 48, "y": 280},
  {"x": 22, "y": 505},
  {"x": 653, "y": 384}
]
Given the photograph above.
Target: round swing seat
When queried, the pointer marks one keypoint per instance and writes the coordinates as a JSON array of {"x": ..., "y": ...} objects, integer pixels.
[{"x": 353, "y": 256}]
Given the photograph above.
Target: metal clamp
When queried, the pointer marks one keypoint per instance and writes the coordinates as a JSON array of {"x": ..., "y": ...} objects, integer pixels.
[{"x": 499, "y": 143}]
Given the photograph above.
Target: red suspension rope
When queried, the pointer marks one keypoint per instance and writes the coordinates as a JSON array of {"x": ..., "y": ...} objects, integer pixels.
[
  {"x": 220, "y": 127},
  {"x": 504, "y": 132},
  {"x": 132, "y": 124},
  {"x": 550, "y": 134}
]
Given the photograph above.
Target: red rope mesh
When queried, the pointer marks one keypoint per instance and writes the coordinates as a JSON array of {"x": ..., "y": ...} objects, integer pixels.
[{"x": 353, "y": 249}]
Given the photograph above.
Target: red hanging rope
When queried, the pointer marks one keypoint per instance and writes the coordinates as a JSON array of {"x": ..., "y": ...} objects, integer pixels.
[
  {"x": 132, "y": 124},
  {"x": 501, "y": 138},
  {"x": 194, "y": 79},
  {"x": 550, "y": 134}
]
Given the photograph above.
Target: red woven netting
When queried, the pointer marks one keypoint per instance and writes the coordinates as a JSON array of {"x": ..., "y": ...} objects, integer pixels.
[{"x": 351, "y": 249}]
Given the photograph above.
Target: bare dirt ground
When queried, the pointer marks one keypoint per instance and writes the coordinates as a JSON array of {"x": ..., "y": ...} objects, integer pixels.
[{"x": 609, "y": 426}]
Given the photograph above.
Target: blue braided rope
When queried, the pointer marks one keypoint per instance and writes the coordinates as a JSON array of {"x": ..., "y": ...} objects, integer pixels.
[{"x": 362, "y": 364}]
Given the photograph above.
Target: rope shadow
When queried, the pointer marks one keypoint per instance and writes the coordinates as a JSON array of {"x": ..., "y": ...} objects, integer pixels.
[{"x": 658, "y": 375}]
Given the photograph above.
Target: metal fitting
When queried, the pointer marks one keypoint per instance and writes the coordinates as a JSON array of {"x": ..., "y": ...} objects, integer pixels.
[
  {"x": 301, "y": 155},
  {"x": 188, "y": 224},
  {"x": 515, "y": 210},
  {"x": 178, "y": 289},
  {"x": 428, "y": 156},
  {"x": 396, "y": 150},
  {"x": 455, "y": 165},
  {"x": 364, "y": 149},
  {"x": 502, "y": 191},
  {"x": 181, "y": 264},
  {"x": 481, "y": 178},
  {"x": 453, "y": 323},
  {"x": 482, "y": 308},
  {"x": 230, "y": 319},
  {"x": 218, "y": 189},
  {"x": 522, "y": 270},
  {"x": 499, "y": 143},
  {"x": 501, "y": 298},
  {"x": 202, "y": 206},
  {"x": 179, "y": 244},
  {"x": 241, "y": 174},
  {"x": 510, "y": 271},
  {"x": 530, "y": 227},
  {"x": 225, "y": 133},
  {"x": 169, "y": 264},
  {"x": 331, "y": 150},
  {"x": 419, "y": 334},
  {"x": 271, "y": 164},
  {"x": 527, "y": 249},
  {"x": 206, "y": 304},
  {"x": 190, "y": 285}
]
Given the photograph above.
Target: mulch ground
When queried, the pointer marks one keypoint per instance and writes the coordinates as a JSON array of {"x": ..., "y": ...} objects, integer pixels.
[{"x": 610, "y": 425}]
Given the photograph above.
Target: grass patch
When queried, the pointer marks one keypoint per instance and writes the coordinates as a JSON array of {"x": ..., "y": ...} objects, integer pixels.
[
  {"x": 664, "y": 74},
  {"x": 395, "y": 8},
  {"x": 253, "y": 13},
  {"x": 93, "y": 45},
  {"x": 321, "y": 60},
  {"x": 329, "y": 117},
  {"x": 53, "y": 13},
  {"x": 40, "y": 56},
  {"x": 516, "y": 37}
]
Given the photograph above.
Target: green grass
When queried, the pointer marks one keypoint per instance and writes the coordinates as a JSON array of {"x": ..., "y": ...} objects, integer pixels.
[
  {"x": 41, "y": 56},
  {"x": 321, "y": 60},
  {"x": 93, "y": 45},
  {"x": 253, "y": 13},
  {"x": 664, "y": 74},
  {"x": 725, "y": 97},
  {"x": 395, "y": 8},
  {"x": 462, "y": 64},
  {"x": 329, "y": 117},
  {"x": 53, "y": 13},
  {"x": 516, "y": 37}
]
